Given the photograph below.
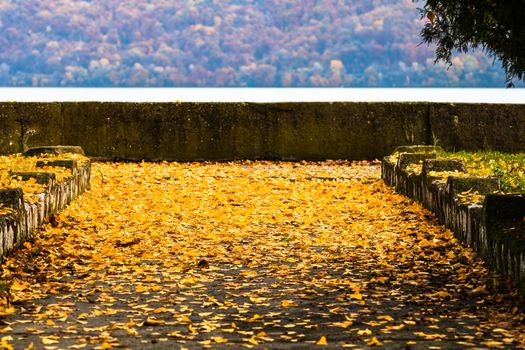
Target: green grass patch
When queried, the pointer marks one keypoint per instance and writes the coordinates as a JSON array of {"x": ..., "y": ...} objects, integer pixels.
[{"x": 509, "y": 168}]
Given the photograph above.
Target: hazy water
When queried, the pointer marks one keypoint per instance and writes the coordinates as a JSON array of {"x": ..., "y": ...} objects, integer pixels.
[{"x": 263, "y": 95}]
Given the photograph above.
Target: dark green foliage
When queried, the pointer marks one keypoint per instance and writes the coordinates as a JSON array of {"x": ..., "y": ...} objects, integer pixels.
[{"x": 498, "y": 27}]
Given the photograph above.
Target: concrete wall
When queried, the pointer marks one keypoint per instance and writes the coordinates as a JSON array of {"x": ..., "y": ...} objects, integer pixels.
[{"x": 290, "y": 131}]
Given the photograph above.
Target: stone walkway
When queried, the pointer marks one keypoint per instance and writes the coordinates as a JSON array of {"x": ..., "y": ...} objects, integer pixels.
[{"x": 251, "y": 255}]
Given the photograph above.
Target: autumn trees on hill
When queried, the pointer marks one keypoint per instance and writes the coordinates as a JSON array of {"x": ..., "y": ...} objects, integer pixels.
[{"x": 225, "y": 43}]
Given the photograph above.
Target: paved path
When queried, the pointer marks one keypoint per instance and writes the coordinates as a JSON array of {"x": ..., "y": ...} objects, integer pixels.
[{"x": 251, "y": 255}]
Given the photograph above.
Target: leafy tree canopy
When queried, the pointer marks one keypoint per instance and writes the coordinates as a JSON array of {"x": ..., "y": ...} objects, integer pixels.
[{"x": 496, "y": 26}]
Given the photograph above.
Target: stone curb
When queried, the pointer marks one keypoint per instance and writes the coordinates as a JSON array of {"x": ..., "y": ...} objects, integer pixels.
[
  {"x": 494, "y": 228},
  {"x": 19, "y": 226}
]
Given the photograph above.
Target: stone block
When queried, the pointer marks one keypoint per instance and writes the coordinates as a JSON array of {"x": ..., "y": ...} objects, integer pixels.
[
  {"x": 12, "y": 197},
  {"x": 43, "y": 178},
  {"x": 432, "y": 184},
  {"x": 10, "y": 225},
  {"x": 406, "y": 159},
  {"x": 388, "y": 174},
  {"x": 402, "y": 176},
  {"x": 481, "y": 185},
  {"x": 504, "y": 217},
  {"x": 65, "y": 163},
  {"x": 444, "y": 165}
]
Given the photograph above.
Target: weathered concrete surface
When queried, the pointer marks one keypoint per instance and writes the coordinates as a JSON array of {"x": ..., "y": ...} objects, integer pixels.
[
  {"x": 22, "y": 124},
  {"x": 216, "y": 131},
  {"x": 223, "y": 131},
  {"x": 473, "y": 127},
  {"x": 57, "y": 150}
]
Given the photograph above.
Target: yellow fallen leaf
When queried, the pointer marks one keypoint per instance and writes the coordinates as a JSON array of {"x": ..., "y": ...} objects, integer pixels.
[
  {"x": 151, "y": 321},
  {"x": 288, "y": 303},
  {"x": 356, "y": 296},
  {"x": 441, "y": 295},
  {"x": 49, "y": 340},
  {"x": 6, "y": 329},
  {"x": 192, "y": 329},
  {"x": 4, "y": 343},
  {"x": 6, "y": 311},
  {"x": 188, "y": 280},
  {"x": 492, "y": 343},
  {"x": 19, "y": 286},
  {"x": 344, "y": 324},
  {"x": 33, "y": 330},
  {"x": 430, "y": 336},
  {"x": 395, "y": 328},
  {"x": 385, "y": 318},
  {"x": 176, "y": 334},
  {"x": 373, "y": 342},
  {"x": 364, "y": 332},
  {"x": 184, "y": 319},
  {"x": 106, "y": 345},
  {"x": 322, "y": 341},
  {"x": 380, "y": 280},
  {"x": 253, "y": 340},
  {"x": 254, "y": 318},
  {"x": 219, "y": 340},
  {"x": 132, "y": 332}
]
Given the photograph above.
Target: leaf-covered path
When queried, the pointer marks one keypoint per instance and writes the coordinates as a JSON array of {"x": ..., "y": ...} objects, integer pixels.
[{"x": 253, "y": 254}]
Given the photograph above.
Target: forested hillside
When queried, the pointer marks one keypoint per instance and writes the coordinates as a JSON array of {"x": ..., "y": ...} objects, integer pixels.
[{"x": 225, "y": 43}]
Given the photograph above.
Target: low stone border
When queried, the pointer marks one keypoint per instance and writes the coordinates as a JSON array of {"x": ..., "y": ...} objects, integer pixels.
[
  {"x": 494, "y": 227},
  {"x": 19, "y": 225}
]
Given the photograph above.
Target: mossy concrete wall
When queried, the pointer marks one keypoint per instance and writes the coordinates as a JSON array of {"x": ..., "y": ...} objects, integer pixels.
[{"x": 289, "y": 131}]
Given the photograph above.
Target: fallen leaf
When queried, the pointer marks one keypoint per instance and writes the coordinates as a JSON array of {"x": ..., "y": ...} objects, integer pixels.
[
  {"x": 373, "y": 342},
  {"x": 322, "y": 341}
]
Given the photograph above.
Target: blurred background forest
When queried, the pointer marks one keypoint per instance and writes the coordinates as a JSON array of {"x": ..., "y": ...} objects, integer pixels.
[{"x": 215, "y": 43}]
